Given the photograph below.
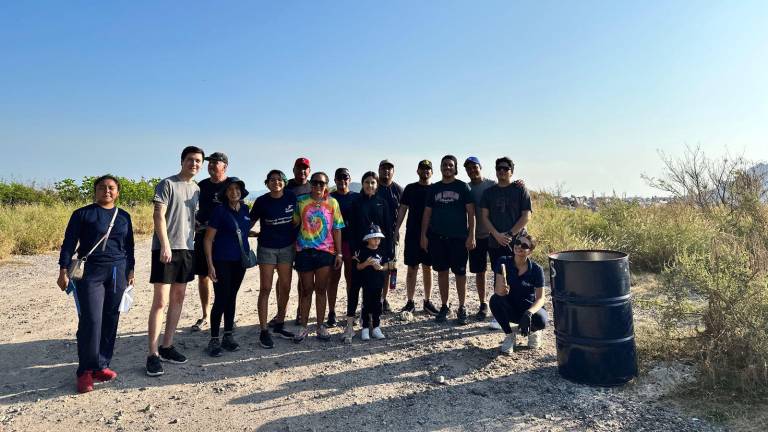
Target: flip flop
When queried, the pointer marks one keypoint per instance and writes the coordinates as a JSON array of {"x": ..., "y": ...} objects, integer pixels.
[{"x": 199, "y": 325}]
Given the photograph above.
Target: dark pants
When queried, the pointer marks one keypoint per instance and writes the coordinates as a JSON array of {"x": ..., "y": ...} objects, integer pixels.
[
  {"x": 353, "y": 291},
  {"x": 371, "y": 312},
  {"x": 507, "y": 309},
  {"x": 98, "y": 293},
  {"x": 230, "y": 275}
]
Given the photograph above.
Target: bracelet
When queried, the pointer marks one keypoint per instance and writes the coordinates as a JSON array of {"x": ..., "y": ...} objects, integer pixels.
[{"x": 340, "y": 255}]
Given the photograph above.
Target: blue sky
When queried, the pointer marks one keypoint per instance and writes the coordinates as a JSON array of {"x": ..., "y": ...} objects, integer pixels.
[{"x": 577, "y": 93}]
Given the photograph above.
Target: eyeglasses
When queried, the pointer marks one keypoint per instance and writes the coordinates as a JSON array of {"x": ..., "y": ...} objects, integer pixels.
[
  {"x": 523, "y": 245},
  {"x": 316, "y": 183},
  {"x": 503, "y": 168}
]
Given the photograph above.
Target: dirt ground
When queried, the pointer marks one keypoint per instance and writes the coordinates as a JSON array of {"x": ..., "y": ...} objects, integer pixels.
[{"x": 312, "y": 386}]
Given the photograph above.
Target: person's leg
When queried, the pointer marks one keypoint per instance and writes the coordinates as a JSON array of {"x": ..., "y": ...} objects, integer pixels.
[
  {"x": 410, "y": 282},
  {"x": 442, "y": 285},
  {"x": 332, "y": 289},
  {"x": 113, "y": 294},
  {"x": 461, "y": 288},
  {"x": 539, "y": 320},
  {"x": 237, "y": 273},
  {"x": 90, "y": 295},
  {"x": 284, "y": 274},
  {"x": 353, "y": 293},
  {"x": 458, "y": 261},
  {"x": 321, "y": 283},
  {"x": 502, "y": 311},
  {"x": 370, "y": 299},
  {"x": 480, "y": 282},
  {"x": 159, "y": 302},
  {"x": 266, "y": 274},
  {"x": 307, "y": 279},
  {"x": 375, "y": 309},
  {"x": 204, "y": 290},
  {"x": 220, "y": 296},
  {"x": 175, "y": 303},
  {"x": 204, "y": 284}
]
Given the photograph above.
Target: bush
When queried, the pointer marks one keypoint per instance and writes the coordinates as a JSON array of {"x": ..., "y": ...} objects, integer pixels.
[
  {"x": 131, "y": 191},
  {"x": 16, "y": 193}
]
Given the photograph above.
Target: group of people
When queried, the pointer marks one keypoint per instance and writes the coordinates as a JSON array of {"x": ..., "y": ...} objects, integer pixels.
[{"x": 323, "y": 233}]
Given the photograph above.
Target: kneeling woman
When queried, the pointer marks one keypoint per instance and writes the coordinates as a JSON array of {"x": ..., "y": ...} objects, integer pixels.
[
  {"x": 519, "y": 294},
  {"x": 225, "y": 268},
  {"x": 104, "y": 234}
]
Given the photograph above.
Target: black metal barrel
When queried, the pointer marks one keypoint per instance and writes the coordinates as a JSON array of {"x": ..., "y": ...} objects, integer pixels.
[{"x": 593, "y": 316}]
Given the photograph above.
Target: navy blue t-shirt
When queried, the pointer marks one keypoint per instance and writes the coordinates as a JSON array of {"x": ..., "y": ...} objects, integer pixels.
[
  {"x": 87, "y": 225},
  {"x": 225, "y": 244},
  {"x": 345, "y": 204},
  {"x": 277, "y": 230},
  {"x": 523, "y": 286}
]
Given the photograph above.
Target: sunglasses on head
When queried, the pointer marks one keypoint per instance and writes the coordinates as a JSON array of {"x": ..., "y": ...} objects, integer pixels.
[
  {"x": 315, "y": 183},
  {"x": 503, "y": 168},
  {"x": 522, "y": 244}
]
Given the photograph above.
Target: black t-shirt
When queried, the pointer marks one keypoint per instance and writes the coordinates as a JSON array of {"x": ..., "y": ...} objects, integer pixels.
[
  {"x": 345, "y": 204},
  {"x": 392, "y": 195},
  {"x": 505, "y": 205},
  {"x": 369, "y": 276},
  {"x": 298, "y": 189},
  {"x": 449, "y": 212},
  {"x": 414, "y": 196},
  {"x": 209, "y": 200},
  {"x": 276, "y": 216}
]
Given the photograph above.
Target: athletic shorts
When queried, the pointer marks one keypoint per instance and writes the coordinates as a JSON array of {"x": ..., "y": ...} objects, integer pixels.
[
  {"x": 274, "y": 256},
  {"x": 179, "y": 270},
  {"x": 448, "y": 253},
  {"x": 201, "y": 264},
  {"x": 478, "y": 257},
  {"x": 497, "y": 252},
  {"x": 414, "y": 254},
  {"x": 312, "y": 259}
]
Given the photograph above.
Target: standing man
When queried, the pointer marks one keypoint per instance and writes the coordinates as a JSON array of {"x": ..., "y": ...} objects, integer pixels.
[
  {"x": 209, "y": 199},
  {"x": 299, "y": 185},
  {"x": 175, "y": 201},
  {"x": 478, "y": 257},
  {"x": 505, "y": 209},
  {"x": 412, "y": 204},
  {"x": 448, "y": 232},
  {"x": 391, "y": 192}
]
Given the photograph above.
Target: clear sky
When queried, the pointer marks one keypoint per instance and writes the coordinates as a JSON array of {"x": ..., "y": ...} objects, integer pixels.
[{"x": 580, "y": 93}]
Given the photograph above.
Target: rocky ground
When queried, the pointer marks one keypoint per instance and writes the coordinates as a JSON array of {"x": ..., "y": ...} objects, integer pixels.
[{"x": 393, "y": 384}]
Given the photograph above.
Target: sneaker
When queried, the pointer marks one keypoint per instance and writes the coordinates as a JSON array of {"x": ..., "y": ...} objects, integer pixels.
[
  {"x": 104, "y": 375},
  {"x": 385, "y": 307},
  {"x": 461, "y": 315},
  {"x": 377, "y": 334},
  {"x": 154, "y": 368},
  {"x": 228, "y": 342},
  {"x": 279, "y": 329},
  {"x": 442, "y": 316},
  {"x": 409, "y": 307},
  {"x": 365, "y": 334},
  {"x": 85, "y": 382},
  {"x": 214, "y": 347},
  {"x": 494, "y": 325},
  {"x": 482, "y": 313},
  {"x": 331, "y": 322},
  {"x": 265, "y": 339},
  {"x": 430, "y": 308},
  {"x": 508, "y": 346},
  {"x": 170, "y": 355},
  {"x": 535, "y": 339},
  {"x": 199, "y": 325}
]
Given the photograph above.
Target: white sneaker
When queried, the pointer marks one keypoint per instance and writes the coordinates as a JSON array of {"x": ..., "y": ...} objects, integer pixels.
[
  {"x": 535, "y": 339},
  {"x": 494, "y": 325},
  {"x": 365, "y": 334},
  {"x": 508, "y": 346},
  {"x": 377, "y": 334}
]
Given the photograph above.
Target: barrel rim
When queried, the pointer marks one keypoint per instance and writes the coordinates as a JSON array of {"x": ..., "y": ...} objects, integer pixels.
[{"x": 622, "y": 256}]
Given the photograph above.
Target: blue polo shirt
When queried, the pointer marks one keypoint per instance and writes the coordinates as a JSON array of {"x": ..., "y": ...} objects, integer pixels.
[
  {"x": 521, "y": 287},
  {"x": 225, "y": 244}
]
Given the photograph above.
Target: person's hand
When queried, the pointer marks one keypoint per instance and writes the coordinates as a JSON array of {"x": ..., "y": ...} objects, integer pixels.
[
  {"x": 470, "y": 243},
  {"x": 519, "y": 183},
  {"x": 338, "y": 262},
  {"x": 212, "y": 273},
  {"x": 131, "y": 278},
  {"x": 502, "y": 239},
  {"x": 165, "y": 254},
  {"x": 424, "y": 242},
  {"x": 500, "y": 287},
  {"x": 525, "y": 323},
  {"x": 63, "y": 280}
]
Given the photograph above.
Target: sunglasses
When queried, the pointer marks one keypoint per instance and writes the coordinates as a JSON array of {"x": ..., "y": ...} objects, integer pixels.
[
  {"x": 344, "y": 177},
  {"x": 523, "y": 245},
  {"x": 503, "y": 168},
  {"x": 316, "y": 183}
]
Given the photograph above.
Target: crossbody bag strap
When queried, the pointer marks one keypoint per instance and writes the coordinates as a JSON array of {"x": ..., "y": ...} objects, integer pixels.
[
  {"x": 239, "y": 236},
  {"x": 104, "y": 237}
]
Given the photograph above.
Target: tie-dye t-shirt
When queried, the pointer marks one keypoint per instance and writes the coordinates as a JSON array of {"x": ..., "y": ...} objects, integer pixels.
[{"x": 317, "y": 221}]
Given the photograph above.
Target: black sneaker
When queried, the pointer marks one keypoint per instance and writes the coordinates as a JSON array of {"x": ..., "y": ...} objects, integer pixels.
[
  {"x": 154, "y": 368},
  {"x": 228, "y": 343},
  {"x": 170, "y": 355},
  {"x": 430, "y": 308},
  {"x": 331, "y": 320},
  {"x": 442, "y": 316},
  {"x": 461, "y": 315},
  {"x": 409, "y": 307},
  {"x": 265, "y": 339},
  {"x": 280, "y": 330},
  {"x": 482, "y": 313},
  {"x": 214, "y": 347},
  {"x": 385, "y": 307}
]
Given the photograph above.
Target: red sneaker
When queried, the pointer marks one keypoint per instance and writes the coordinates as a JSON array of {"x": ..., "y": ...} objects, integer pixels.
[
  {"x": 85, "y": 382},
  {"x": 105, "y": 374}
]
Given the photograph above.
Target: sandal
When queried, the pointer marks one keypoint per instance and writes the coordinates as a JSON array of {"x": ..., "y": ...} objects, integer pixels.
[
  {"x": 300, "y": 336},
  {"x": 322, "y": 334},
  {"x": 197, "y": 326},
  {"x": 349, "y": 333}
]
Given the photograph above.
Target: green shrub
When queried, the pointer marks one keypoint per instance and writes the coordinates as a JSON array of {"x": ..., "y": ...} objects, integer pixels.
[{"x": 16, "y": 193}]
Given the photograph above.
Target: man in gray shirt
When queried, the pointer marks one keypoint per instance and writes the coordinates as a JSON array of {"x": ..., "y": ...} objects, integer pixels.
[
  {"x": 175, "y": 199},
  {"x": 478, "y": 257}
]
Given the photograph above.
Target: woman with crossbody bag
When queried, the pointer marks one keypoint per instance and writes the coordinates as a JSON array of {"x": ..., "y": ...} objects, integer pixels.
[
  {"x": 102, "y": 234},
  {"x": 229, "y": 255}
]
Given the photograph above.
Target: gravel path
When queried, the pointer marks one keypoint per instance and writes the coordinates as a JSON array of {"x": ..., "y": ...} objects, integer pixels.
[{"x": 383, "y": 385}]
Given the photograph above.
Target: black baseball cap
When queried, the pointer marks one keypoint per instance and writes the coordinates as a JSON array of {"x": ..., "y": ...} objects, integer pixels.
[{"x": 218, "y": 156}]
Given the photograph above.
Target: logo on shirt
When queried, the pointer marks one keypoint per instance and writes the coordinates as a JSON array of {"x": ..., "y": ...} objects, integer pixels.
[
  {"x": 447, "y": 197},
  {"x": 289, "y": 208}
]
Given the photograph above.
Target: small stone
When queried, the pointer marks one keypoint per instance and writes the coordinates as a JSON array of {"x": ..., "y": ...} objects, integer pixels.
[
  {"x": 146, "y": 409},
  {"x": 173, "y": 421},
  {"x": 439, "y": 379}
]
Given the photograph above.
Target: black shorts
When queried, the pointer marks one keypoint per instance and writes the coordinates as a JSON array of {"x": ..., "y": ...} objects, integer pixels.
[
  {"x": 497, "y": 252},
  {"x": 201, "y": 264},
  {"x": 414, "y": 254},
  {"x": 312, "y": 259},
  {"x": 448, "y": 253},
  {"x": 478, "y": 257},
  {"x": 179, "y": 270}
]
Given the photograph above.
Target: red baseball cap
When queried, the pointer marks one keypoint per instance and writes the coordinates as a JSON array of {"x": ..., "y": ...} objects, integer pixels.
[{"x": 302, "y": 161}]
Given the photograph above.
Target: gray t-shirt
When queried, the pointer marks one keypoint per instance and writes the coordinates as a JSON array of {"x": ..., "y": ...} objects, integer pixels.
[
  {"x": 180, "y": 200},
  {"x": 477, "y": 189}
]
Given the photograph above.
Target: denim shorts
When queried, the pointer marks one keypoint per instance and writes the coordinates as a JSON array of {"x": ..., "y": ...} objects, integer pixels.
[
  {"x": 313, "y": 259},
  {"x": 265, "y": 255}
]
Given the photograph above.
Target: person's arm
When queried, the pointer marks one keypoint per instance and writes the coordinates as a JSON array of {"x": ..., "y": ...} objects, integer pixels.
[
  {"x": 425, "y": 226},
  {"x": 501, "y": 238},
  {"x": 400, "y": 218},
  {"x": 470, "y": 243},
  {"x": 130, "y": 247},
  {"x": 210, "y": 233},
  {"x": 337, "y": 245},
  {"x": 525, "y": 217},
  {"x": 500, "y": 286},
  {"x": 68, "y": 249},
  {"x": 539, "y": 302},
  {"x": 161, "y": 231}
]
